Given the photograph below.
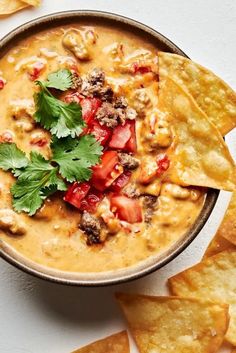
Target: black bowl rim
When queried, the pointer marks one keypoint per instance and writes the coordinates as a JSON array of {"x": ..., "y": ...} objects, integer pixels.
[{"x": 142, "y": 268}]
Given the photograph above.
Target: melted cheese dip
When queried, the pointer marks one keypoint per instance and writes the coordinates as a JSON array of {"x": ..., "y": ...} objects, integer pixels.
[{"x": 52, "y": 237}]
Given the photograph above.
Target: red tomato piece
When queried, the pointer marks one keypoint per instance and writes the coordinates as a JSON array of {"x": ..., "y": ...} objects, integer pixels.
[
  {"x": 120, "y": 136},
  {"x": 141, "y": 69},
  {"x": 91, "y": 201},
  {"x": 131, "y": 145},
  {"x": 121, "y": 181},
  {"x": 107, "y": 171},
  {"x": 127, "y": 209},
  {"x": 76, "y": 193},
  {"x": 101, "y": 132},
  {"x": 163, "y": 163},
  {"x": 89, "y": 108},
  {"x": 36, "y": 70},
  {"x": 2, "y": 83}
]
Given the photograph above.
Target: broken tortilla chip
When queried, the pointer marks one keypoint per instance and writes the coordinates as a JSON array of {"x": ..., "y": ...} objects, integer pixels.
[
  {"x": 211, "y": 93},
  {"x": 212, "y": 279},
  {"x": 171, "y": 324},
  {"x": 7, "y": 7},
  {"x": 225, "y": 237},
  {"x": 227, "y": 228},
  {"x": 117, "y": 343},
  {"x": 218, "y": 244},
  {"x": 199, "y": 155},
  {"x": 32, "y": 2}
]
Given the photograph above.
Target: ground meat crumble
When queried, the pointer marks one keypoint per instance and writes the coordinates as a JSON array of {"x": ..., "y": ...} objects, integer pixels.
[
  {"x": 92, "y": 228},
  {"x": 149, "y": 203},
  {"x": 114, "y": 110},
  {"x": 127, "y": 161}
]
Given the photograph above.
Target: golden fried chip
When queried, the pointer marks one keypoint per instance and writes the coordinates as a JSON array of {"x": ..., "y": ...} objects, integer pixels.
[
  {"x": 7, "y": 7},
  {"x": 32, "y": 2},
  {"x": 213, "y": 279},
  {"x": 211, "y": 93},
  {"x": 217, "y": 245},
  {"x": 227, "y": 228},
  {"x": 199, "y": 155},
  {"x": 225, "y": 237},
  {"x": 118, "y": 343},
  {"x": 174, "y": 325}
]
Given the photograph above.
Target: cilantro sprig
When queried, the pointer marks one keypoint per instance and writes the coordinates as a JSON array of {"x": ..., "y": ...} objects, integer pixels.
[
  {"x": 61, "y": 80},
  {"x": 76, "y": 156},
  {"x": 11, "y": 158},
  {"x": 37, "y": 178},
  {"x": 72, "y": 156},
  {"x": 60, "y": 118},
  {"x": 35, "y": 182}
]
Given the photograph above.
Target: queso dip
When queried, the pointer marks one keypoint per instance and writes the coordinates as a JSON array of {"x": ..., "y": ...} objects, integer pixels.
[{"x": 128, "y": 210}]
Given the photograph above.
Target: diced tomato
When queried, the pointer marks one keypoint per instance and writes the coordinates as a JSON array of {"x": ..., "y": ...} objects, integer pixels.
[
  {"x": 2, "y": 83},
  {"x": 101, "y": 132},
  {"x": 36, "y": 70},
  {"x": 91, "y": 201},
  {"x": 120, "y": 136},
  {"x": 141, "y": 69},
  {"x": 131, "y": 145},
  {"x": 120, "y": 182},
  {"x": 107, "y": 171},
  {"x": 163, "y": 163},
  {"x": 89, "y": 108},
  {"x": 126, "y": 209},
  {"x": 124, "y": 137},
  {"x": 76, "y": 193}
]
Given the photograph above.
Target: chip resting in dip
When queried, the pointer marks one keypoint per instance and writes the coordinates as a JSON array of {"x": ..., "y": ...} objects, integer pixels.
[{"x": 106, "y": 150}]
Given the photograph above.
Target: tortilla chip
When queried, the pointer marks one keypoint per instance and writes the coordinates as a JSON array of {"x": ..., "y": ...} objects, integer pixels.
[
  {"x": 118, "y": 343},
  {"x": 217, "y": 245},
  {"x": 227, "y": 228},
  {"x": 199, "y": 155},
  {"x": 7, "y": 7},
  {"x": 211, "y": 93},
  {"x": 225, "y": 237},
  {"x": 174, "y": 325},
  {"x": 214, "y": 279},
  {"x": 32, "y": 2}
]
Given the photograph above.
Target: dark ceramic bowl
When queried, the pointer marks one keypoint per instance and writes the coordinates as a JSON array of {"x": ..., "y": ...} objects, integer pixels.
[{"x": 146, "y": 266}]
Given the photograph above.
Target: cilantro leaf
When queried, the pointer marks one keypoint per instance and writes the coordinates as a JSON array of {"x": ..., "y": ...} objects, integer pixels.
[
  {"x": 35, "y": 182},
  {"x": 27, "y": 197},
  {"x": 61, "y": 80},
  {"x": 76, "y": 156},
  {"x": 70, "y": 122},
  {"x": 11, "y": 157},
  {"x": 47, "y": 108},
  {"x": 62, "y": 119}
]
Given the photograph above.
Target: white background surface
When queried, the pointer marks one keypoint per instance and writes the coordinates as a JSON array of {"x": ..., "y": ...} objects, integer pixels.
[{"x": 40, "y": 317}]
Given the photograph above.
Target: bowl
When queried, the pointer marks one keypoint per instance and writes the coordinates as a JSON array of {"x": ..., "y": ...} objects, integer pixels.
[{"x": 146, "y": 266}]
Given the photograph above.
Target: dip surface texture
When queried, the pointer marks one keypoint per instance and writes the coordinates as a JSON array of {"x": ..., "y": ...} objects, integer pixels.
[{"x": 52, "y": 237}]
